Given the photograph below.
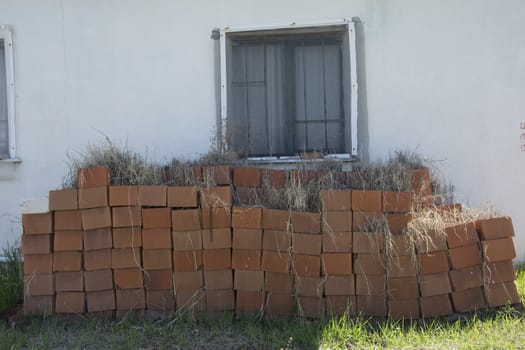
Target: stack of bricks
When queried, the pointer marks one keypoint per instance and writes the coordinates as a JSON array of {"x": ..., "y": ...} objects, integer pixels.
[{"x": 107, "y": 250}]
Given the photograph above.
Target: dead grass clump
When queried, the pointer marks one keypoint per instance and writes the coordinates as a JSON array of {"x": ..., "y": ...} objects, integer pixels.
[{"x": 126, "y": 166}]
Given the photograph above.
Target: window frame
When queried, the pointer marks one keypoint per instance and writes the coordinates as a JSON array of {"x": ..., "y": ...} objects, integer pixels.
[
  {"x": 7, "y": 38},
  {"x": 224, "y": 36}
]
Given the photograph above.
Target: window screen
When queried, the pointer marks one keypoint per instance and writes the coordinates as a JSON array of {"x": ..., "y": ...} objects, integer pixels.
[
  {"x": 286, "y": 96},
  {"x": 4, "y": 123}
]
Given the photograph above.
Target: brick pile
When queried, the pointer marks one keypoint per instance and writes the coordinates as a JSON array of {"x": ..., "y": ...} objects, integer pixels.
[{"x": 107, "y": 250}]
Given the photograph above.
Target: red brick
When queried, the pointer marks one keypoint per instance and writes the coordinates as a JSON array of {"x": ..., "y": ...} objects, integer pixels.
[
  {"x": 128, "y": 278},
  {"x": 337, "y": 242},
  {"x": 194, "y": 174},
  {"x": 68, "y": 240},
  {"x": 98, "y": 239},
  {"x": 67, "y": 220},
  {"x": 404, "y": 309},
  {"x": 35, "y": 224},
  {"x": 367, "y": 200},
  {"x": 339, "y": 285},
  {"x": 67, "y": 261},
  {"x": 127, "y": 216},
  {"x": 100, "y": 301},
  {"x": 274, "y": 219},
  {"x": 186, "y": 220},
  {"x": 247, "y": 218},
  {"x": 130, "y": 299},
  {"x": 127, "y": 237},
  {"x": 397, "y": 223},
  {"x": 311, "y": 307},
  {"x": 438, "y": 305},
  {"x": 97, "y": 259},
  {"x": 39, "y": 284},
  {"x": 160, "y": 300},
  {"x": 94, "y": 197},
  {"x": 332, "y": 200},
  {"x": 279, "y": 304},
  {"x": 216, "y": 197},
  {"x": 306, "y": 265},
  {"x": 339, "y": 305},
  {"x": 498, "y": 272},
  {"x": 218, "y": 279},
  {"x": 248, "y": 280},
  {"x": 93, "y": 177},
  {"x": 96, "y": 218},
  {"x": 402, "y": 288},
  {"x": 98, "y": 280},
  {"x": 182, "y": 196},
  {"x": 434, "y": 284},
  {"x": 156, "y": 238},
  {"x": 247, "y": 196},
  {"x": 304, "y": 222},
  {"x": 469, "y": 300},
  {"x": 216, "y": 239},
  {"x": 461, "y": 235},
  {"x": 450, "y": 208},
  {"x": 216, "y": 218},
  {"x": 466, "y": 278},
  {"x": 275, "y": 178},
  {"x": 158, "y": 279},
  {"x": 216, "y": 259},
  {"x": 430, "y": 242},
  {"x": 309, "y": 286},
  {"x": 69, "y": 281},
  {"x": 433, "y": 263},
  {"x": 247, "y": 177},
  {"x": 63, "y": 200},
  {"x": 279, "y": 241},
  {"x": 156, "y": 218},
  {"x": 190, "y": 240},
  {"x": 361, "y": 221},
  {"x": 246, "y": 259},
  {"x": 188, "y": 281},
  {"x": 337, "y": 221},
  {"x": 220, "y": 300},
  {"x": 249, "y": 302},
  {"x": 371, "y": 305},
  {"x": 368, "y": 242},
  {"x": 309, "y": 244},
  {"x": 495, "y": 228},
  {"x": 126, "y": 258},
  {"x": 185, "y": 261},
  {"x": 70, "y": 303},
  {"x": 123, "y": 196},
  {"x": 276, "y": 261},
  {"x": 401, "y": 245},
  {"x": 337, "y": 263},
  {"x": 41, "y": 305},
  {"x": 369, "y": 264},
  {"x": 401, "y": 266},
  {"x": 370, "y": 285},
  {"x": 152, "y": 196},
  {"x": 157, "y": 259},
  {"x": 278, "y": 282},
  {"x": 464, "y": 256},
  {"x": 193, "y": 302},
  {"x": 36, "y": 244},
  {"x": 501, "y": 294},
  {"x": 397, "y": 202},
  {"x": 421, "y": 182},
  {"x": 247, "y": 239},
  {"x": 498, "y": 250},
  {"x": 217, "y": 174}
]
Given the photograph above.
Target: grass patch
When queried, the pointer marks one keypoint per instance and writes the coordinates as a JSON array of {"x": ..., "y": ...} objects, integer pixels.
[
  {"x": 502, "y": 329},
  {"x": 11, "y": 279}
]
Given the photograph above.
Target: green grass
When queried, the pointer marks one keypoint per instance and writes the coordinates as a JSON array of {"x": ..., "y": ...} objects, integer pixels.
[
  {"x": 11, "y": 279},
  {"x": 502, "y": 329}
]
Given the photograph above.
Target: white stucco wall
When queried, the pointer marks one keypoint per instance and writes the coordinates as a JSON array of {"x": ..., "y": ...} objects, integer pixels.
[{"x": 447, "y": 77}]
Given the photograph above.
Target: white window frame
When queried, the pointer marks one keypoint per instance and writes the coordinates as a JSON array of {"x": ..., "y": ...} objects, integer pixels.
[
  {"x": 6, "y": 37},
  {"x": 350, "y": 27}
]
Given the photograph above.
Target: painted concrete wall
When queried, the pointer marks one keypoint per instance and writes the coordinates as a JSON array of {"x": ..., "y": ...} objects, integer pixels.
[{"x": 445, "y": 77}]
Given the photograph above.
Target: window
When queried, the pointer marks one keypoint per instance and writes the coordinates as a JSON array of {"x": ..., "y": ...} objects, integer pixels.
[
  {"x": 7, "y": 108},
  {"x": 289, "y": 90}
]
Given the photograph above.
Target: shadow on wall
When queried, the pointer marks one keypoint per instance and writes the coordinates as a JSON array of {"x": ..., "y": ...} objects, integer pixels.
[{"x": 363, "y": 138}]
